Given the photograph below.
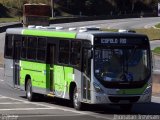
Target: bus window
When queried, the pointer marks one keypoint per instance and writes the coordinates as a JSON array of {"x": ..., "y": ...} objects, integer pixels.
[
  {"x": 32, "y": 45},
  {"x": 17, "y": 47},
  {"x": 41, "y": 51},
  {"x": 24, "y": 48},
  {"x": 9, "y": 46},
  {"x": 75, "y": 53},
  {"x": 64, "y": 52}
]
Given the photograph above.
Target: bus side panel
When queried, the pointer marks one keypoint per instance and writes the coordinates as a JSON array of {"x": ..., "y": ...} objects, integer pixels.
[
  {"x": 62, "y": 79},
  {"x": 37, "y": 72},
  {"x": 78, "y": 80},
  {"x": 8, "y": 72}
]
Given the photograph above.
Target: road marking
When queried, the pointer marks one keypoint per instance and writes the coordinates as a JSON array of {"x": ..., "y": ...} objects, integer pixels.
[
  {"x": 155, "y": 97},
  {"x": 2, "y": 97},
  {"x": 47, "y": 106},
  {"x": 1, "y": 68},
  {"x": 33, "y": 116},
  {"x": 26, "y": 109},
  {"x": 8, "y": 103},
  {"x": 1, "y": 80}
]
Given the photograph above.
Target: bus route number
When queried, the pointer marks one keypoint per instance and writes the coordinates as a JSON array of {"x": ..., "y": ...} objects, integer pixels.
[
  {"x": 123, "y": 41},
  {"x": 114, "y": 41}
]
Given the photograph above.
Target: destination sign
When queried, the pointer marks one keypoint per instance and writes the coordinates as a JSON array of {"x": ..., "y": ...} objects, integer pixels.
[
  {"x": 113, "y": 41},
  {"x": 121, "y": 41}
]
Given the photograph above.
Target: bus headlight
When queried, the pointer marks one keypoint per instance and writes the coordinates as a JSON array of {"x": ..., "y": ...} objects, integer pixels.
[
  {"x": 148, "y": 89},
  {"x": 97, "y": 88}
]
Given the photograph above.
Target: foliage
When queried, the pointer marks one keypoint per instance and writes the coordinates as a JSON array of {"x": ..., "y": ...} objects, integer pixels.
[
  {"x": 158, "y": 25},
  {"x": 93, "y": 7},
  {"x": 156, "y": 50}
]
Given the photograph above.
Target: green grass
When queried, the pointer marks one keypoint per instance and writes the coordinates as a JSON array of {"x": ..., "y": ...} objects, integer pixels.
[
  {"x": 4, "y": 20},
  {"x": 152, "y": 33},
  {"x": 158, "y": 25},
  {"x": 156, "y": 50}
]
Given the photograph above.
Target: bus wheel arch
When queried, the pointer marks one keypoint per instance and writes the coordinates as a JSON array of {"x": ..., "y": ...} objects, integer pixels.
[
  {"x": 30, "y": 95},
  {"x": 71, "y": 89},
  {"x": 28, "y": 77},
  {"x": 73, "y": 93}
]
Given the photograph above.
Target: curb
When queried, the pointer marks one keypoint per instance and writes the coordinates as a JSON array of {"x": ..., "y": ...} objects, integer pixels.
[
  {"x": 156, "y": 54},
  {"x": 3, "y": 28}
]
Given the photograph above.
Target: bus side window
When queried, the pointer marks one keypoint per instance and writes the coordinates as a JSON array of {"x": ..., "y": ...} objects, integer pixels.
[
  {"x": 24, "y": 47},
  {"x": 9, "y": 46},
  {"x": 32, "y": 45},
  {"x": 64, "y": 52},
  {"x": 75, "y": 53},
  {"x": 41, "y": 49}
]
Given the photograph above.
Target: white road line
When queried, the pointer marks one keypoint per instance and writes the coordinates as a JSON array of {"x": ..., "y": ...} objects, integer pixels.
[
  {"x": 2, "y": 97},
  {"x": 47, "y": 106},
  {"x": 156, "y": 97},
  {"x": 1, "y": 68},
  {"x": 26, "y": 109},
  {"x": 8, "y": 103},
  {"x": 1, "y": 80},
  {"x": 33, "y": 116},
  {"x": 28, "y": 102}
]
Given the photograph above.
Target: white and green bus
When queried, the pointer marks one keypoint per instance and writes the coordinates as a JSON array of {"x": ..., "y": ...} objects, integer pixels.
[{"x": 87, "y": 66}]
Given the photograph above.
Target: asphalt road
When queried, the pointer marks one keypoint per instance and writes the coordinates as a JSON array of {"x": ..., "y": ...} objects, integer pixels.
[
  {"x": 13, "y": 103},
  {"x": 116, "y": 23}
]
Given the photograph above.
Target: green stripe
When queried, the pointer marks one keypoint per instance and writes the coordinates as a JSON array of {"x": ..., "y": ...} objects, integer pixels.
[
  {"x": 45, "y": 33},
  {"x": 133, "y": 91}
]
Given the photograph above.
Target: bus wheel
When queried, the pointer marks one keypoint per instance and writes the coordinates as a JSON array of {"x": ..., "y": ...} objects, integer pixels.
[
  {"x": 76, "y": 103},
  {"x": 126, "y": 107},
  {"x": 29, "y": 93}
]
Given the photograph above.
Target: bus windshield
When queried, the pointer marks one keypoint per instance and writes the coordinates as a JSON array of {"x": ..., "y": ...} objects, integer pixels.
[{"x": 121, "y": 65}]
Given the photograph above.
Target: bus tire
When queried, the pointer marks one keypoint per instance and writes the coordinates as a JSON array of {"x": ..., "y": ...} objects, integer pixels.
[
  {"x": 29, "y": 94},
  {"x": 126, "y": 107},
  {"x": 76, "y": 103}
]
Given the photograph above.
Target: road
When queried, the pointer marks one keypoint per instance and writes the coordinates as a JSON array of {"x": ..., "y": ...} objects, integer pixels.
[
  {"x": 13, "y": 103},
  {"x": 129, "y": 23}
]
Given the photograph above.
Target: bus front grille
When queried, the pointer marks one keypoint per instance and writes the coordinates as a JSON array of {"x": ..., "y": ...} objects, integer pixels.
[{"x": 116, "y": 99}]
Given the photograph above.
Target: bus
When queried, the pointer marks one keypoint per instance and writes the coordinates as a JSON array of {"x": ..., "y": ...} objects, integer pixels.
[{"x": 84, "y": 66}]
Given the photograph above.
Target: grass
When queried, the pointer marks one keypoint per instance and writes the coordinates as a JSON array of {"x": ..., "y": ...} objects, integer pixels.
[
  {"x": 158, "y": 25},
  {"x": 153, "y": 34},
  {"x": 4, "y": 20},
  {"x": 156, "y": 50}
]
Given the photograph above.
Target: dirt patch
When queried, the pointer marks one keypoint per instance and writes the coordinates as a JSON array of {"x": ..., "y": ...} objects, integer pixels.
[
  {"x": 1, "y": 58},
  {"x": 156, "y": 85}
]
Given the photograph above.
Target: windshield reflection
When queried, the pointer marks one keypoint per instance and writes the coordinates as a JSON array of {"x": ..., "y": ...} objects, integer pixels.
[{"x": 123, "y": 65}]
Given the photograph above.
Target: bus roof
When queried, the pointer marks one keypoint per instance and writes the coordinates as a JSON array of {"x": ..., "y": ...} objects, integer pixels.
[{"x": 69, "y": 34}]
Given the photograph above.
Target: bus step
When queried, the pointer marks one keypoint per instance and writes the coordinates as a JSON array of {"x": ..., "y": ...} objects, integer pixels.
[{"x": 51, "y": 94}]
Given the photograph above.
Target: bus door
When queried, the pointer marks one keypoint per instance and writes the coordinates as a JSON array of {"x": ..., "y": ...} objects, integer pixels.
[
  {"x": 86, "y": 75},
  {"x": 8, "y": 63},
  {"x": 51, "y": 59},
  {"x": 16, "y": 66}
]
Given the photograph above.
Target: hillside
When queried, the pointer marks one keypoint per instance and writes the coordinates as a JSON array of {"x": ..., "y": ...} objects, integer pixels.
[{"x": 12, "y": 8}]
